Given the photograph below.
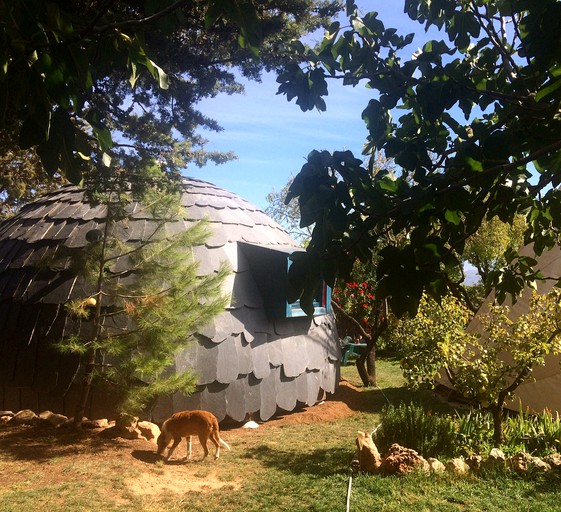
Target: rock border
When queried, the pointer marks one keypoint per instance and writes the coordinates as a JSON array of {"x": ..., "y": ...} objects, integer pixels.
[
  {"x": 399, "y": 460},
  {"x": 125, "y": 425}
]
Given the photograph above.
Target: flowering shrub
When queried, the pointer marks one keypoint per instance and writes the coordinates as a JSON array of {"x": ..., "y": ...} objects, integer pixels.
[{"x": 357, "y": 299}]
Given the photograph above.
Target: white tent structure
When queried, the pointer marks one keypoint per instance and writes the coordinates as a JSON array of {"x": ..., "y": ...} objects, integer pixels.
[{"x": 543, "y": 390}]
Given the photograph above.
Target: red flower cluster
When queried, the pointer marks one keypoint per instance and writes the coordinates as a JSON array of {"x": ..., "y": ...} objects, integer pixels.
[{"x": 357, "y": 299}]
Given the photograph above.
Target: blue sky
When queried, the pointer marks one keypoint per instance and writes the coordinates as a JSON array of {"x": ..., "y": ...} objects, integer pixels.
[{"x": 272, "y": 137}]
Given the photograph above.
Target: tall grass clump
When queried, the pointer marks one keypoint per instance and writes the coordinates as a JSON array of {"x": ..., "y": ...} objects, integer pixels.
[
  {"x": 474, "y": 432},
  {"x": 538, "y": 434},
  {"x": 410, "y": 425}
]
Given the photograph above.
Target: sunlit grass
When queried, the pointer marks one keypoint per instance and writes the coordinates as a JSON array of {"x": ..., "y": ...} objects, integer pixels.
[
  {"x": 388, "y": 374},
  {"x": 285, "y": 467}
]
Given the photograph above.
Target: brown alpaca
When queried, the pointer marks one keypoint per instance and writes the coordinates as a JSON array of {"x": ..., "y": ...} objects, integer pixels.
[{"x": 190, "y": 423}]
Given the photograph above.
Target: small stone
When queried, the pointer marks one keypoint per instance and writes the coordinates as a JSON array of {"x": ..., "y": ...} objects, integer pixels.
[
  {"x": 23, "y": 417},
  {"x": 101, "y": 423},
  {"x": 554, "y": 460},
  {"x": 458, "y": 466},
  {"x": 52, "y": 418},
  {"x": 496, "y": 460},
  {"x": 523, "y": 462},
  {"x": 474, "y": 462},
  {"x": 435, "y": 465}
]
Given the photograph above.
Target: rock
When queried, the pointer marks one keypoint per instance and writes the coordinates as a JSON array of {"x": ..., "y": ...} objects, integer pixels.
[
  {"x": 554, "y": 460},
  {"x": 518, "y": 462},
  {"x": 250, "y": 424},
  {"x": 52, "y": 418},
  {"x": 5, "y": 417},
  {"x": 125, "y": 433},
  {"x": 541, "y": 465},
  {"x": 127, "y": 421},
  {"x": 149, "y": 431},
  {"x": 24, "y": 417},
  {"x": 369, "y": 459},
  {"x": 126, "y": 426},
  {"x": 109, "y": 433},
  {"x": 435, "y": 466},
  {"x": 524, "y": 462},
  {"x": 496, "y": 460},
  {"x": 474, "y": 462},
  {"x": 400, "y": 461},
  {"x": 128, "y": 433},
  {"x": 458, "y": 466},
  {"x": 101, "y": 423},
  {"x": 69, "y": 423}
]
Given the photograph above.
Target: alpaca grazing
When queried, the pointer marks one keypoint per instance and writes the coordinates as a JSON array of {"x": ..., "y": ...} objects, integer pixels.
[{"x": 190, "y": 423}]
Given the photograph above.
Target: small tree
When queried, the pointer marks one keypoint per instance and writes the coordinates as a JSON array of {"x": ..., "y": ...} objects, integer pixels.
[
  {"x": 360, "y": 313},
  {"x": 486, "y": 367},
  {"x": 146, "y": 301},
  {"x": 287, "y": 215},
  {"x": 489, "y": 246}
]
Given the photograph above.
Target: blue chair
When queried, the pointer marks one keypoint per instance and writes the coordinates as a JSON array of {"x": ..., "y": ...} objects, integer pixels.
[{"x": 352, "y": 349}]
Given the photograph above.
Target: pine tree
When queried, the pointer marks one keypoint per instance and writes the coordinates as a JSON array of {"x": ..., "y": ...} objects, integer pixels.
[{"x": 146, "y": 299}]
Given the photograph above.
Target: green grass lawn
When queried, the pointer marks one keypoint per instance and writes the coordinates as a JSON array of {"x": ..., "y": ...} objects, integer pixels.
[{"x": 289, "y": 467}]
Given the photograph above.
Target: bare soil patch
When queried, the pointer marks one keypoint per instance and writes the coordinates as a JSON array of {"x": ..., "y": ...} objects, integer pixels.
[
  {"x": 347, "y": 400},
  {"x": 54, "y": 453}
]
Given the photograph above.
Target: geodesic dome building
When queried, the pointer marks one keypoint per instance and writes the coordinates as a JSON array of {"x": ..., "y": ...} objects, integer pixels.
[{"x": 259, "y": 357}]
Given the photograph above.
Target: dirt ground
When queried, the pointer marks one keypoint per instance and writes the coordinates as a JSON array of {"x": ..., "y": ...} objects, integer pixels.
[{"x": 27, "y": 446}]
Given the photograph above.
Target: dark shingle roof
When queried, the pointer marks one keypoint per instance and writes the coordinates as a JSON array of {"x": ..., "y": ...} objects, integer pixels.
[{"x": 246, "y": 361}]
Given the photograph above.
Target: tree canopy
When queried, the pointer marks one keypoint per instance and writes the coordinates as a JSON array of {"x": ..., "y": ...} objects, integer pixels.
[
  {"x": 488, "y": 366},
  {"x": 470, "y": 120},
  {"x": 287, "y": 215},
  {"x": 92, "y": 85}
]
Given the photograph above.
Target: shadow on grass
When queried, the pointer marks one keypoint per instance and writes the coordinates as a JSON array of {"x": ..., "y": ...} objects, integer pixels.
[
  {"x": 320, "y": 463},
  {"x": 376, "y": 399},
  {"x": 148, "y": 456},
  {"x": 151, "y": 457},
  {"x": 41, "y": 444}
]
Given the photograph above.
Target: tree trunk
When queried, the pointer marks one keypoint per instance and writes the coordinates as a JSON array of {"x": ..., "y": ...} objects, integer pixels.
[
  {"x": 497, "y": 410},
  {"x": 366, "y": 364},
  {"x": 96, "y": 326},
  {"x": 80, "y": 411},
  {"x": 371, "y": 365}
]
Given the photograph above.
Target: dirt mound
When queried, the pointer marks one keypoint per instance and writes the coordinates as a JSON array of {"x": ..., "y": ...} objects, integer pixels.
[{"x": 347, "y": 400}]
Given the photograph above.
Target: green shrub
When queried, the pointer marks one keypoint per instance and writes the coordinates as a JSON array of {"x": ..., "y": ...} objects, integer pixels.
[{"x": 412, "y": 426}]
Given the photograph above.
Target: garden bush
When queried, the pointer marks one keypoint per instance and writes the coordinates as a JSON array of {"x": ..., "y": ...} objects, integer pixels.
[
  {"x": 474, "y": 432},
  {"x": 434, "y": 434},
  {"x": 410, "y": 425}
]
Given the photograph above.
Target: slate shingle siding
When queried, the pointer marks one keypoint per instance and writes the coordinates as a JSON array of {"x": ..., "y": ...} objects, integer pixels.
[{"x": 248, "y": 363}]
